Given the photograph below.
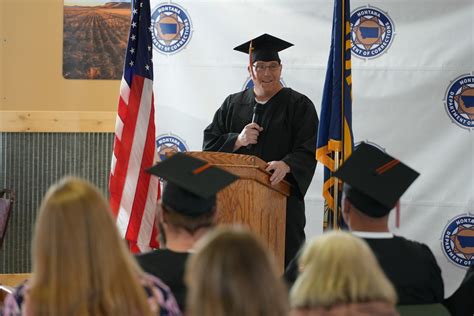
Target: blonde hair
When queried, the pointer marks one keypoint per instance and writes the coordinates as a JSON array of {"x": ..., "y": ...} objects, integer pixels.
[
  {"x": 338, "y": 267},
  {"x": 232, "y": 274},
  {"x": 80, "y": 264}
]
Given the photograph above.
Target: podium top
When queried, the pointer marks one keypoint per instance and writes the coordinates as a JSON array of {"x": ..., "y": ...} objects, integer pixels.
[{"x": 238, "y": 164}]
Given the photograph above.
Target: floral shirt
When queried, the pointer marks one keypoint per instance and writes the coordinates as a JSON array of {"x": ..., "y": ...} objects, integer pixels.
[{"x": 159, "y": 295}]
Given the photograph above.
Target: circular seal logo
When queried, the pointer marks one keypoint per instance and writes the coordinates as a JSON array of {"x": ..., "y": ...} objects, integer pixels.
[
  {"x": 249, "y": 83},
  {"x": 459, "y": 101},
  {"x": 457, "y": 240},
  {"x": 171, "y": 28},
  {"x": 169, "y": 144},
  {"x": 372, "y": 32}
]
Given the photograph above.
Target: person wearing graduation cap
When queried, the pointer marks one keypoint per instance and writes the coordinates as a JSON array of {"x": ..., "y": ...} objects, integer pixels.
[
  {"x": 186, "y": 212},
  {"x": 460, "y": 303},
  {"x": 277, "y": 124},
  {"x": 373, "y": 185}
]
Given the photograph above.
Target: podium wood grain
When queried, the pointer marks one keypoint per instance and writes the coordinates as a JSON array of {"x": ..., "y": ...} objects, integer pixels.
[{"x": 252, "y": 200}]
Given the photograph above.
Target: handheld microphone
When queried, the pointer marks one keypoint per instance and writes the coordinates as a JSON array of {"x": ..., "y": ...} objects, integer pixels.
[
  {"x": 257, "y": 113},
  {"x": 256, "y": 116}
]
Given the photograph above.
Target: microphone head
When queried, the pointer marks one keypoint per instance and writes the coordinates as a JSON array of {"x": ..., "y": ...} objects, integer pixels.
[{"x": 257, "y": 116}]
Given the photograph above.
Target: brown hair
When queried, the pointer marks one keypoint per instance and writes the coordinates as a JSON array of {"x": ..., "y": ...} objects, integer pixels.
[
  {"x": 80, "y": 264},
  {"x": 189, "y": 223},
  {"x": 232, "y": 274}
]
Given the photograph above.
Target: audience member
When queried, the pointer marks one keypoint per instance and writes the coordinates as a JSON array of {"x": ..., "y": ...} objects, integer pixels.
[
  {"x": 185, "y": 214},
  {"x": 461, "y": 302},
  {"x": 80, "y": 264},
  {"x": 374, "y": 182},
  {"x": 341, "y": 276},
  {"x": 232, "y": 274}
]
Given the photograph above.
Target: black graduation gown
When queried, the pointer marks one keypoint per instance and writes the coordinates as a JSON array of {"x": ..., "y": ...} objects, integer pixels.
[
  {"x": 169, "y": 267},
  {"x": 411, "y": 267},
  {"x": 461, "y": 302},
  {"x": 290, "y": 125}
]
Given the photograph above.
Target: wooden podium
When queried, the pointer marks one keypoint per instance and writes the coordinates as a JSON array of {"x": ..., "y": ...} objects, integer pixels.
[{"x": 252, "y": 200}]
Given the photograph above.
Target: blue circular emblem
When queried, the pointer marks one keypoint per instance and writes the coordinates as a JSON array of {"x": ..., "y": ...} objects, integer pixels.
[
  {"x": 459, "y": 101},
  {"x": 169, "y": 144},
  {"x": 171, "y": 28},
  {"x": 372, "y": 32},
  {"x": 457, "y": 240},
  {"x": 249, "y": 83}
]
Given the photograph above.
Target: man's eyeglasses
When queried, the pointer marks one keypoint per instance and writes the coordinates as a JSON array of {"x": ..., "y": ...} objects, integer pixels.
[{"x": 261, "y": 67}]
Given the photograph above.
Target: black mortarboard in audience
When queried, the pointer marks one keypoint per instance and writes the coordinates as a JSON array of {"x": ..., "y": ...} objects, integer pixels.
[
  {"x": 191, "y": 184},
  {"x": 374, "y": 181},
  {"x": 265, "y": 48}
]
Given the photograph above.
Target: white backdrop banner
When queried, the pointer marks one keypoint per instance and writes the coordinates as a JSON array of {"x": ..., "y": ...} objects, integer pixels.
[{"x": 413, "y": 94}]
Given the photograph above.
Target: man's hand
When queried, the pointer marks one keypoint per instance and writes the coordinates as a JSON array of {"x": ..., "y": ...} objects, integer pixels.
[
  {"x": 280, "y": 169},
  {"x": 248, "y": 135}
]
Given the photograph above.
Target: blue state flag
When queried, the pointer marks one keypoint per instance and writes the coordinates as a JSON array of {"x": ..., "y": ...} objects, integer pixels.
[{"x": 335, "y": 139}]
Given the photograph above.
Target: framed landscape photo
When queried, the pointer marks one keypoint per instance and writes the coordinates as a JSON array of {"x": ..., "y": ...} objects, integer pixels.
[{"x": 95, "y": 38}]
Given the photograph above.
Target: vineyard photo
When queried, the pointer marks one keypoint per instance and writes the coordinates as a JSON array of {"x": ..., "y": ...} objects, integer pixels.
[{"x": 95, "y": 39}]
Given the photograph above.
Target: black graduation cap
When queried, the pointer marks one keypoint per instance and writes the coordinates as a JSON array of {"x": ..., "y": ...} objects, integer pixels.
[
  {"x": 192, "y": 184},
  {"x": 374, "y": 181},
  {"x": 265, "y": 47}
]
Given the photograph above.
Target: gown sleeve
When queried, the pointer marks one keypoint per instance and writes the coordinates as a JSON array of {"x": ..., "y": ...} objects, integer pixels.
[{"x": 217, "y": 136}]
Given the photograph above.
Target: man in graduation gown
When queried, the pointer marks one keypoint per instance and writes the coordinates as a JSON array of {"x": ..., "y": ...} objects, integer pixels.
[
  {"x": 374, "y": 182},
  {"x": 460, "y": 303},
  {"x": 277, "y": 124},
  {"x": 186, "y": 212}
]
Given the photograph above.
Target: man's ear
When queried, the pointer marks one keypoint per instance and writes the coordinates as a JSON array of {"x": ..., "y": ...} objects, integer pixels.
[
  {"x": 160, "y": 216},
  {"x": 251, "y": 73}
]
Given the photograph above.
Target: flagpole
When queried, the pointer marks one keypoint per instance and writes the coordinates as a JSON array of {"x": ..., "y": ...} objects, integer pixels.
[
  {"x": 336, "y": 194},
  {"x": 337, "y": 153}
]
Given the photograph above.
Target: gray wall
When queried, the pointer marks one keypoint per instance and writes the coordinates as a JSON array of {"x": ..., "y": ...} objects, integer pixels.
[{"x": 29, "y": 164}]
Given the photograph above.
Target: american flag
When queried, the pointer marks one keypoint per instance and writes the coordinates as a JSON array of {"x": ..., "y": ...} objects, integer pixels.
[{"x": 133, "y": 192}]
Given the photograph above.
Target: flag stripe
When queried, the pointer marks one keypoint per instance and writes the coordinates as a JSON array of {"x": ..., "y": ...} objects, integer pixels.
[
  {"x": 124, "y": 90},
  {"x": 144, "y": 143},
  {"x": 147, "y": 222},
  {"x": 127, "y": 175}
]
